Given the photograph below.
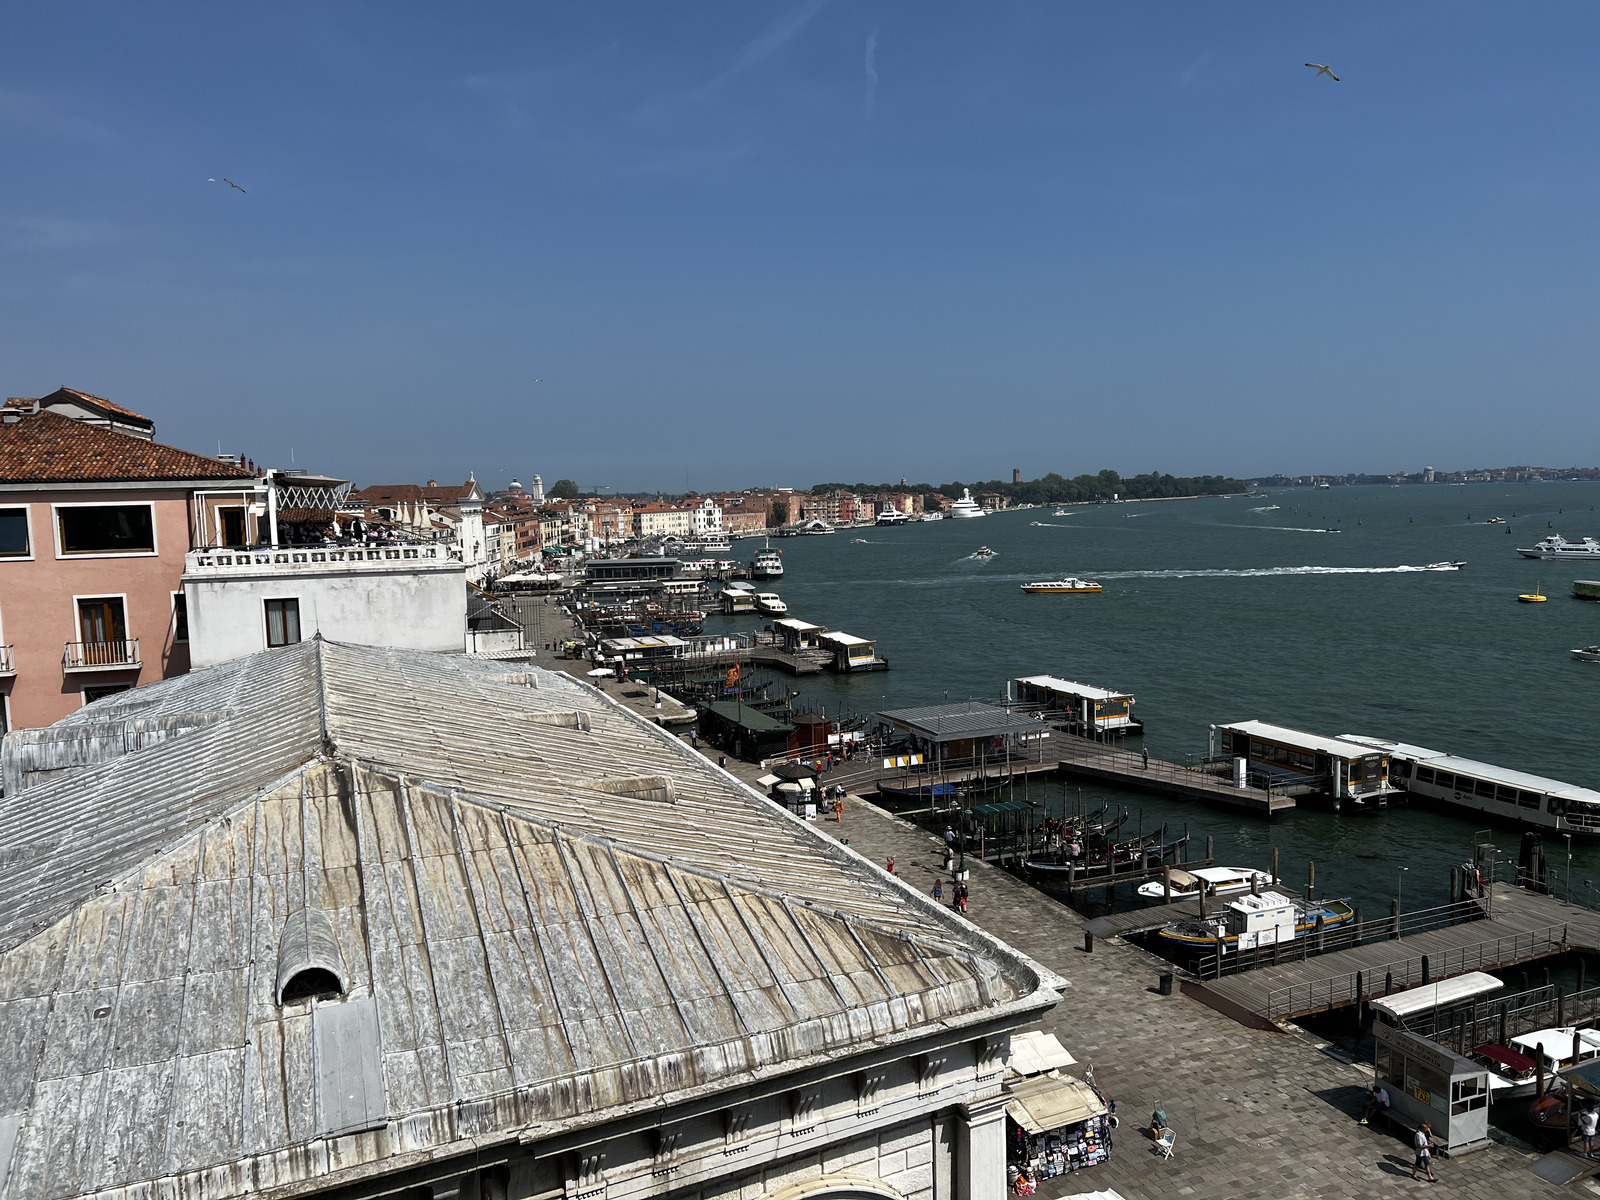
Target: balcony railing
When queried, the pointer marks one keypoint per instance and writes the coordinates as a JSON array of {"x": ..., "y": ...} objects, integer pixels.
[
  {"x": 8, "y": 663},
  {"x": 101, "y": 656},
  {"x": 313, "y": 558}
]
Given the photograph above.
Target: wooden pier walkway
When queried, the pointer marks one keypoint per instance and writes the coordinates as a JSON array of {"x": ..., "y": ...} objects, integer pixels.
[
  {"x": 1108, "y": 764},
  {"x": 1523, "y": 927}
]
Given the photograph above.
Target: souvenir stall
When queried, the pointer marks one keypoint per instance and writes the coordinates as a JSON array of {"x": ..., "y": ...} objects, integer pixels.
[{"x": 1056, "y": 1124}]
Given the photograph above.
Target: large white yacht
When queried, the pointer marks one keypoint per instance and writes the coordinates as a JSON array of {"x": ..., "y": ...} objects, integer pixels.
[
  {"x": 966, "y": 506},
  {"x": 892, "y": 516},
  {"x": 1556, "y": 546}
]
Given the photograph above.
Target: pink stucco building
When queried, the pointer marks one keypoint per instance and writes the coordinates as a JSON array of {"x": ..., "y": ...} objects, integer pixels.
[{"x": 95, "y": 520}]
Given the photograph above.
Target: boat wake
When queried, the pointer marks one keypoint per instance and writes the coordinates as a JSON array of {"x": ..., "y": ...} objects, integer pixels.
[
  {"x": 1259, "y": 572},
  {"x": 1266, "y": 508},
  {"x": 1279, "y": 528},
  {"x": 1049, "y": 525}
]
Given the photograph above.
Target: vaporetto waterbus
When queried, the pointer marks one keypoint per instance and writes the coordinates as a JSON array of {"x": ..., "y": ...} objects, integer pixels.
[
  {"x": 1296, "y": 761},
  {"x": 1496, "y": 791}
]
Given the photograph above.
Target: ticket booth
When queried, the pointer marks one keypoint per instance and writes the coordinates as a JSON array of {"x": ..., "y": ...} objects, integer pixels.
[{"x": 1427, "y": 1082}]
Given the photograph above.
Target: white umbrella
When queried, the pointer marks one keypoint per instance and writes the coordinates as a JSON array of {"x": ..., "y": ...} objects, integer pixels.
[{"x": 601, "y": 671}]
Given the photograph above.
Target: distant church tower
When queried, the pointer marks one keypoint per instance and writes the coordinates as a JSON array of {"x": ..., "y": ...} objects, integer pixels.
[{"x": 538, "y": 490}]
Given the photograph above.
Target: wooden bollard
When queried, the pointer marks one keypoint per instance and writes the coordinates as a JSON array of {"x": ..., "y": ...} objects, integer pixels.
[
  {"x": 1088, "y": 942},
  {"x": 1504, "y": 1021},
  {"x": 1394, "y": 919},
  {"x": 1388, "y": 982},
  {"x": 1355, "y": 927},
  {"x": 1538, "y": 1059},
  {"x": 1210, "y": 852},
  {"x": 1425, "y": 979},
  {"x": 1255, "y": 884},
  {"x": 1580, "y": 974},
  {"x": 1360, "y": 1000},
  {"x": 1561, "y": 1016},
  {"x": 1454, "y": 899},
  {"x": 1205, "y": 889},
  {"x": 1274, "y": 866},
  {"x": 1072, "y": 874},
  {"x": 1320, "y": 933},
  {"x": 1311, "y": 881},
  {"x": 1222, "y": 945},
  {"x": 1166, "y": 885},
  {"x": 1577, "y": 1046}
]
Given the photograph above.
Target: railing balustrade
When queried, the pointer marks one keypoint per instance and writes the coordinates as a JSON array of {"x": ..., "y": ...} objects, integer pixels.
[{"x": 121, "y": 652}]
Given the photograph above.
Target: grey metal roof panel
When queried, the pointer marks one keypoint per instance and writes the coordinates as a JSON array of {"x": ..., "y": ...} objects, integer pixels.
[
  {"x": 967, "y": 719},
  {"x": 518, "y": 949}
]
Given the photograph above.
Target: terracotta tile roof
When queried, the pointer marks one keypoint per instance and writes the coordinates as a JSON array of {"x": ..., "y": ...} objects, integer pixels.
[
  {"x": 388, "y": 493},
  {"x": 49, "y": 448},
  {"x": 85, "y": 399}
]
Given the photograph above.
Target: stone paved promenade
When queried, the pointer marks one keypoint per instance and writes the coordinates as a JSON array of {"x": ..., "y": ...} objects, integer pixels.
[{"x": 1258, "y": 1115}]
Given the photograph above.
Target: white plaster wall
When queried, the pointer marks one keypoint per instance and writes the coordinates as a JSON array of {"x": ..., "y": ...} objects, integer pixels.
[
  {"x": 905, "y": 1158},
  {"x": 409, "y": 607}
]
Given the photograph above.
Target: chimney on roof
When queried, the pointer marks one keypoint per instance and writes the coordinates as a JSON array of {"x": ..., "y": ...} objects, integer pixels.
[{"x": 433, "y": 483}]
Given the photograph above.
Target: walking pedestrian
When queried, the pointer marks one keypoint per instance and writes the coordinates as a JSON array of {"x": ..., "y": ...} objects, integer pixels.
[
  {"x": 938, "y": 890},
  {"x": 1145, "y": 750},
  {"x": 961, "y": 896},
  {"x": 890, "y": 867},
  {"x": 1424, "y": 1144},
  {"x": 1588, "y": 1122}
]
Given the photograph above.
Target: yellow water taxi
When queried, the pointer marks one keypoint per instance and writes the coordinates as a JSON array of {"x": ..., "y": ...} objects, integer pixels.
[
  {"x": 1537, "y": 596},
  {"x": 1071, "y": 586}
]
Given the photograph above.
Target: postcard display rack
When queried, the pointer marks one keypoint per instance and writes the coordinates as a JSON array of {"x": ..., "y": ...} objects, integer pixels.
[{"x": 1058, "y": 1151}]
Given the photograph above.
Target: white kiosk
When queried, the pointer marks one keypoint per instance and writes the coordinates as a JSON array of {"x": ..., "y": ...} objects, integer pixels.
[{"x": 1426, "y": 1082}]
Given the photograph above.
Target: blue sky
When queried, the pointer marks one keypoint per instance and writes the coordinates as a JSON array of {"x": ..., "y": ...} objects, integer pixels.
[{"x": 754, "y": 243}]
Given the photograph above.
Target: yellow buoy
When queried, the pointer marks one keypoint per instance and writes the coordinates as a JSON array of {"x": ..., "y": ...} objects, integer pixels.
[{"x": 1536, "y": 597}]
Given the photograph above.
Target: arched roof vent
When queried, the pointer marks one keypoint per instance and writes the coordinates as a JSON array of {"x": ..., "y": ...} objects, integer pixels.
[
  {"x": 309, "y": 962},
  {"x": 658, "y": 788},
  {"x": 563, "y": 720}
]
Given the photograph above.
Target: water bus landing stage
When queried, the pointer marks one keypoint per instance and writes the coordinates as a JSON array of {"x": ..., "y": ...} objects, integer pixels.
[
  {"x": 1107, "y": 764},
  {"x": 1524, "y": 926}
]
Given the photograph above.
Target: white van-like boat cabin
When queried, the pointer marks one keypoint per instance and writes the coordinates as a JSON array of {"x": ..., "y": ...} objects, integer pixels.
[
  {"x": 1076, "y": 707},
  {"x": 1496, "y": 791},
  {"x": 1291, "y": 760}
]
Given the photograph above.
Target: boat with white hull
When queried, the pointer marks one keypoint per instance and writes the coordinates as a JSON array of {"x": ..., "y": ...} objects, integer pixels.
[
  {"x": 1556, "y": 546},
  {"x": 1226, "y": 881},
  {"x": 966, "y": 507},
  {"x": 1480, "y": 787}
]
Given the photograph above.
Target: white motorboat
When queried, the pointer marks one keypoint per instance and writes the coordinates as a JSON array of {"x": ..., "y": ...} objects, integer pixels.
[
  {"x": 966, "y": 507},
  {"x": 771, "y": 603},
  {"x": 1556, "y": 546},
  {"x": 983, "y": 552},
  {"x": 892, "y": 516},
  {"x": 1587, "y": 654},
  {"x": 1061, "y": 512},
  {"x": 707, "y": 543},
  {"x": 1447, "y": 565},
  {"x": 767, "y": 564},
  {"x": 1226, "y": 880},
  {"x": 932, "y": 516}
]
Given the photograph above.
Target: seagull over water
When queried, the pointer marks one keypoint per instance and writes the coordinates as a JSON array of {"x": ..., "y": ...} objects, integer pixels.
[
  {"x": 1320, "y": 68},
  {"x": 230, "y": 183}
]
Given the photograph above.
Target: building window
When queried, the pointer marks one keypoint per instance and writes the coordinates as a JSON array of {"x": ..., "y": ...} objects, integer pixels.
[
  {"x": 283, "y": 622},
  {"x": 14, "y": 542},
  {"x": 107, "y": 529},
  {"x": 180, "y": 617},
  {"x": 91, "y": 694},
  {"x": 101, "y": 622}
]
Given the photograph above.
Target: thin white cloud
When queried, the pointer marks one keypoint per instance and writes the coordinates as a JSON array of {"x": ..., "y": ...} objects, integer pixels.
[
  {"x": 768, "y": 42},
  {"x": 60, "y": 233},
  {"x": 871, "y": 65},
  {"x": 1192, "y": 71}
]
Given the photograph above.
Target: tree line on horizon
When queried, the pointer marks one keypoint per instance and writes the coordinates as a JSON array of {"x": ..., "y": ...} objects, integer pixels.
[{"x": 1055, "y": 488}]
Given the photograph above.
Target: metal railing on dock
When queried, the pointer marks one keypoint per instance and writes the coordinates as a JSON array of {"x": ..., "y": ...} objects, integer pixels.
[
  {"x": 1339, "y": 937},
  {"x": 1338, "y": 990},
  {"x": 1108, "y": 764},
  {"x": 1549, "y": 1006}
]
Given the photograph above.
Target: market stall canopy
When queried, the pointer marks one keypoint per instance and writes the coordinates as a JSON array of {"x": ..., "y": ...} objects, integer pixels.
[
  {"x": 1048, "y": 1102},
  {"x": 1035, "y": 1052},
  {"x": 601, "y": 671}
]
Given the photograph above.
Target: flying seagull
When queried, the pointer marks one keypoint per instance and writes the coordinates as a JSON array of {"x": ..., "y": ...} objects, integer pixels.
[
  {"x": 232, "y": 184},
  {"x": 1321, "y": 69}
]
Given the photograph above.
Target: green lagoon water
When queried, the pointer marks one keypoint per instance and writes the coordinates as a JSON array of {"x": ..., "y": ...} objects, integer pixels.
[{"x": 1219, "y": 610}]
